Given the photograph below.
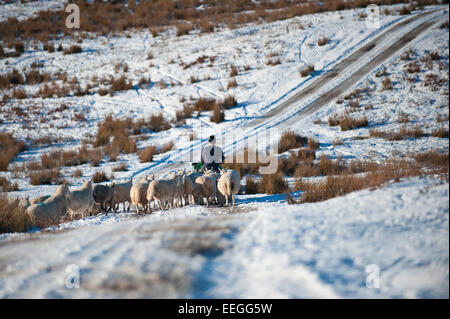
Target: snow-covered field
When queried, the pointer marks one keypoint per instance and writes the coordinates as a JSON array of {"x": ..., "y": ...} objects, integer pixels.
[
  {"x": 260, "y": 89},
  {"x": 263, "y": 248}
]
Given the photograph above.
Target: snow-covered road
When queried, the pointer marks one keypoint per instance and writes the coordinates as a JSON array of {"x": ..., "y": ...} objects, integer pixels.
[{"x": 259, "y": 250}]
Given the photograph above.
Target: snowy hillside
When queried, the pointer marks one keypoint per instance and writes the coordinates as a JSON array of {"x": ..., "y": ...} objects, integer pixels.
[{"x": 367, "y": 109}]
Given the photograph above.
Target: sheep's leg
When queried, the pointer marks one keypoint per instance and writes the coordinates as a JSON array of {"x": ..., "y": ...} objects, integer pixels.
[
  {"x": 226, "y": 200},
  {"x": 232, "y": 196}
]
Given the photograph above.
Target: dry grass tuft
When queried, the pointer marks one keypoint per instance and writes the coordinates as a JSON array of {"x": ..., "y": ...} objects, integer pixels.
[
  {"x": 146, "y": 155},
  {"x": 290, "y": 140},
  {"x": 100, "y": 177},
  {"x": 9, "y": 148},
  {"x": 12, "y": 217},
  {"x": 45, "y": 176},
  {"x": 6, "y": 186}
]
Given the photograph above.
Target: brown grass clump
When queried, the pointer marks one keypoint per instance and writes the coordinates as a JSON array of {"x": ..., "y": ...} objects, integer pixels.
[
  {"x": 82, "y": 155},
  {"x": 231, "y": 84},
  {"x": 100, "y": 177},
  {"x": 307, "y": 70},
  {"x": 252, "y": 186},
  {"x": 349, "y": 123},
  {"x": 120, "y": 168},
  {"x": 12, "y": 217},
  {"x": 183, "y": 29},
  {"x": 353, "y": 103},
  {"x": 77, "y": 173},
  {"x": 290, "y": 140},
  {"x": 6, "y": 186},
  {"x": 218, "y": 115},
  {"x": 120, "y": 84},
  {"x": 247, "y": 167},
  {"x": 387, "y": 84},
  {"x": 234, "y": 71},
  {"x": 185, "y": 113},
  {"x": 403, "y": 133},
  {"x": 73, "y": 49},
  {"x": 118, "y": 131},
  {"x": 431, "y": 163},
  {"x": 167, "y": 147},
  {"x": 313, "y": 144},
  {"x": 322, "y": 41},
  {"x": 204, "y": 104},
  {"x": 9, "y": 148},
  {"x": 157, "y": 123},
  {"x": 440, "y": 132},
  {"x": 228, "y": 102},
  {"x": 273, "y": 183},
  {"x": 305, "y": 154},
  {"x": 413, "y": 67},
  {"x": 146, "y": 155},
  {"x": 44, "y": 176}
]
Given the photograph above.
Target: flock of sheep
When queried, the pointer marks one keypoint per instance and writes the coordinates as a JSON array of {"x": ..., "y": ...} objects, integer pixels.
[{"x": 180, "y": 188}]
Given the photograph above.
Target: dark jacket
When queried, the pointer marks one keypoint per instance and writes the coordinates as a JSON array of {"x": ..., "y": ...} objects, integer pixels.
[{"x": 212, "y": 157}]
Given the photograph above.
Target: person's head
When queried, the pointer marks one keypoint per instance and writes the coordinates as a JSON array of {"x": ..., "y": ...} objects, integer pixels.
[{"x": 212, "y": 139}]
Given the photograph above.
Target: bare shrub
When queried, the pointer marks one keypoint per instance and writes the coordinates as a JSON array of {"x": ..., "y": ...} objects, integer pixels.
[
  {"x": 228, "y": 102},
  {"x": 9, "y": 148},
  {"x": 307, "y": 70},
  {"x": 167, "y": 147},
  {"x": 157, "y": 123},
  {"x": 204, "y": 104},
  {"x": 413, "y": 67},
  {"x": 73, "y": 49},
  {"x": 234, "y": 71},
  {"x": 120, "y": 168},
  {"x": 118, "y": 131},
  {"x": 120, "y": 84},
  {"x": 77, "y": 173},
  {"x": 440, "y": 132},
  {"x": 44, "y": 177},
  {"x": 100, "y": 177},
  {"x": 218, "y": 115},
  {"x": 313, "y": 144},
  {"x": 7, "y": 186},
  {"x": 185, "y": 113},
  {"x": 322, "y": 41},
  {"x": 349, "y": 123},
  {"x": 183, "y": 29},
  {"x": 231, "y": 84},
  {"x": 273, "y": 183},
  {"x": 12, "y": 217},
  {"x": 252, "y": 186},
  {"x": 146, "y": 155},
  {"x": 387, "y": 84},
  {"x": 290, "y": 140}
]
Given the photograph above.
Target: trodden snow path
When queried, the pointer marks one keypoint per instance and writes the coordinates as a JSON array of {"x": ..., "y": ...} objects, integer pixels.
[{"x": 258, "y": 250}]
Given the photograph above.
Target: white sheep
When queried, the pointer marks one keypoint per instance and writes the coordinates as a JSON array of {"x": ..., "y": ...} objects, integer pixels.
[
  {"x": 122, "y": 194},
  {"x": 81, "y": 201},
  {"x": 229, "y": 184},
  {"x": 138, "y": 193},
  {"x": 205, "y": 187},
  {"x": 52, "y": 209},
  {"x": 164, "y": 191}
]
